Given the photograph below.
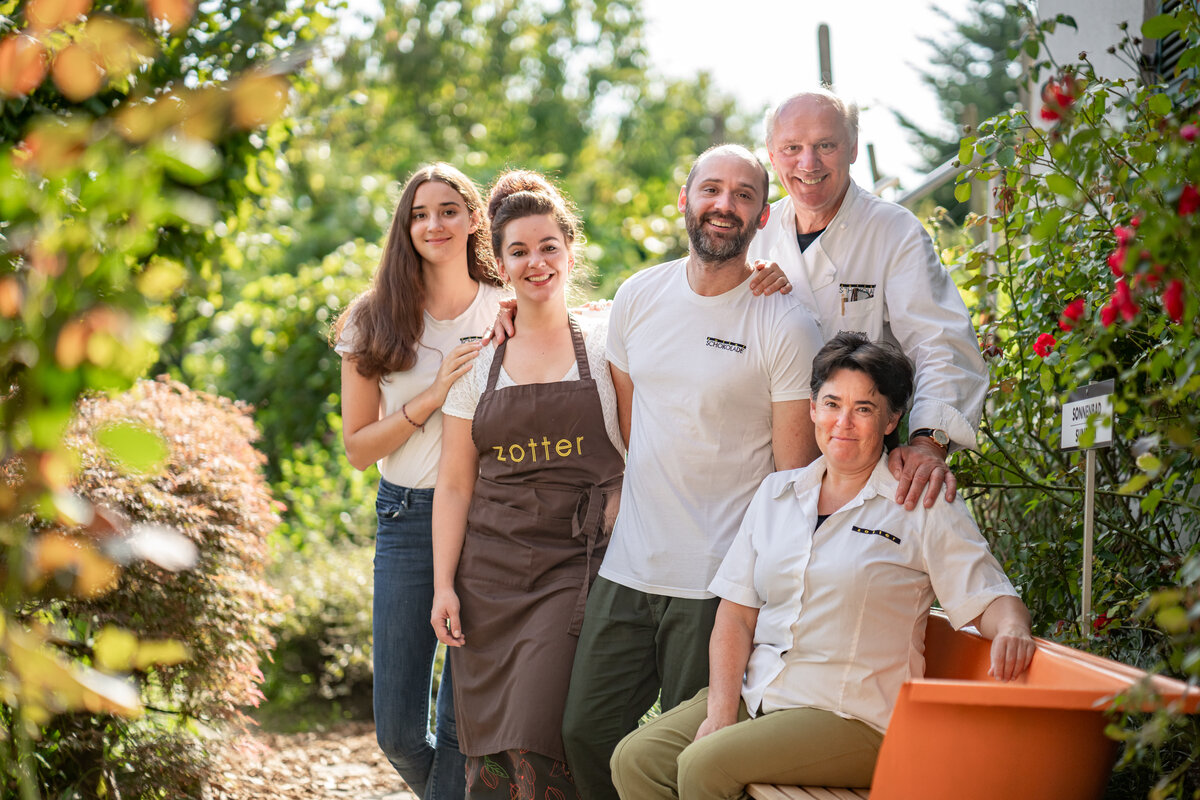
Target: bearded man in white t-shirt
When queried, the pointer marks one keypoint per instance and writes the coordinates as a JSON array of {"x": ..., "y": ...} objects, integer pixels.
[{"x": 713, "y": 394}]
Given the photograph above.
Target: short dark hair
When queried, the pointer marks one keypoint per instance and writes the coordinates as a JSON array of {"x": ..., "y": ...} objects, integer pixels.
[{"x": 883, "y": 362}]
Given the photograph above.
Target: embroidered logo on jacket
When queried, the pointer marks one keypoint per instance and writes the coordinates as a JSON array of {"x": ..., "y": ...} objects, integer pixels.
[
  {"x": 722, "y": 344},
  {"x": 884, "y": 534}
]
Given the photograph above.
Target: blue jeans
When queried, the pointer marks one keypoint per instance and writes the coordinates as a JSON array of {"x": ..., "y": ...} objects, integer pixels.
[{"x": 404, "y": 647}]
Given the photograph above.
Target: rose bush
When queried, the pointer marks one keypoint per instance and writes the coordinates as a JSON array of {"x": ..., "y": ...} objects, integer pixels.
[{"x": 1096, "y": 232}]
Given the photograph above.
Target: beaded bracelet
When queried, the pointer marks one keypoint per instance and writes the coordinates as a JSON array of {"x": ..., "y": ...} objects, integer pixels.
[{"x": 410, "y": 420}]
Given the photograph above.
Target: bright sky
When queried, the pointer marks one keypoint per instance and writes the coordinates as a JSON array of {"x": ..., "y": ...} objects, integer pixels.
[{"x": 760, "y": 51}]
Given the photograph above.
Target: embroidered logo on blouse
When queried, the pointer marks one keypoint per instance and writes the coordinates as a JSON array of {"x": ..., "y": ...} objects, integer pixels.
[
  {"x": 884, "y": 534},
  {"x": 722, "y": 344}
]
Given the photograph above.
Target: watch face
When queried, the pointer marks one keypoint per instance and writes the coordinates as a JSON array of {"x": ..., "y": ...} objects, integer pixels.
[{"x": 941, "y": 438}]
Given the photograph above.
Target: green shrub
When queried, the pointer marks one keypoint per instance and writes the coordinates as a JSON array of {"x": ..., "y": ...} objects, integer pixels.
[
  {"x": 324, "y": 640},
  {"x": 206, "y": 486}
]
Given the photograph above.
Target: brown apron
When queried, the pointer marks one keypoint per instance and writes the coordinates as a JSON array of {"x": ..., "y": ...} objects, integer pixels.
[{"x": 536, "y": 533}]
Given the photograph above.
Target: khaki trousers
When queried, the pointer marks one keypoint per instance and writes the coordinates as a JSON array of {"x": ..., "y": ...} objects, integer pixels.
[{"x": 804, "y": 746}]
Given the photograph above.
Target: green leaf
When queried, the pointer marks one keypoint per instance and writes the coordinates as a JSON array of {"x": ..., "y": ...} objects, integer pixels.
[
  {"x": 1060, "y": 184},
  {"x": 1135, "y": 484},
  {"x": 1160, "y": 104},
  {"x": 1149, "y": 463},
  {"x": 1158, "y": 27},
  {"x": 966, "y": 150},
  {"x": 962, "y": 192},
  {"x": 1150, "y": 501},
  {"x": 136, "y": 447},
  {"x": 1172, "y": 620}
]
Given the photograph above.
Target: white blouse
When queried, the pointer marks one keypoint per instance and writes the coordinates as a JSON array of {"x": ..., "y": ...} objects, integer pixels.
[{"x": 842, "y": 609}]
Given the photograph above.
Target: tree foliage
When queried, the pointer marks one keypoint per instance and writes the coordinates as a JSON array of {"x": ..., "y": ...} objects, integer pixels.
[
  {"x": 973, "y": 74},
  {"x": 128, "y": 129}
]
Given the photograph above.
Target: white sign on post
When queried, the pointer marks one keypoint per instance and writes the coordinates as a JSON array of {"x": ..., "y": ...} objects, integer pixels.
[{"x": 1091, "y": 402}]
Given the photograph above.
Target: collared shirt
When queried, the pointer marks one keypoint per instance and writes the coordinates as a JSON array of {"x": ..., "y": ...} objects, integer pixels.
[
  {"x": 874, "y": 270},
  {"x": 842, "y": 609}
]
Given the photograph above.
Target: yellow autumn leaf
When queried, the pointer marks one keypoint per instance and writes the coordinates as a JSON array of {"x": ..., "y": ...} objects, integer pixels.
[
  {"x": 57, "y": 552},
  {"x": 11, "y": 296},
  {"x": 77, "y": 72},
  {"x": 115, "y": 649},
  {"x": 121, "y": 47},
  {"x": 49, "y": 683},
  {"x": 47, "y": 15},
  {"x": 158, "y": 281},
  {"x": 259, "y": 100},
  {"x": 163, "y": 652},
  {"x": 22, "y": 65},
  {"x": 175, "y": 13}
]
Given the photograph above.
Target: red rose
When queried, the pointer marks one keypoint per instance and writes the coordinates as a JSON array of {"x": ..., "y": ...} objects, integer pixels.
[
  {"x": 1173, "y": 301},
  {"x": 1071, "y": 314},
  {"x": 1101, "y": 622},
  {"x": 1124, "y": 301},
  {"x": 1124, "y": 235},
  {"x": 1116, "y": 261},
  {"x": 1108, "y": 314},
  {"x": 1189, "y": 200},
  {"x": 1044, "y": 344},
  {"x": 1189, "y": 132}
]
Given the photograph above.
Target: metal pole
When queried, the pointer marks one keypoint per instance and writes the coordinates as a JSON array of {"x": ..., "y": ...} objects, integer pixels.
[
  {"x": 825, "y": 63},
  {"x": 1089, "y": 509}
]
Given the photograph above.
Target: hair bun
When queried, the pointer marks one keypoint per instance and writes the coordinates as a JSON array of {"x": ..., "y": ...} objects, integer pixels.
[{"x": 519, "y": 180}]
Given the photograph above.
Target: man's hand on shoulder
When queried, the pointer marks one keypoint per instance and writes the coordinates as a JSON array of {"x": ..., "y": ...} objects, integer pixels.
[
  {"x": 921, "y": 467},
  {"x": 769, "y": 278}
]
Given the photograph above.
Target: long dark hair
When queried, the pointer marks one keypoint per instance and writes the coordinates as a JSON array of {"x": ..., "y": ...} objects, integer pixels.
[{"x": 389, "y": 317}]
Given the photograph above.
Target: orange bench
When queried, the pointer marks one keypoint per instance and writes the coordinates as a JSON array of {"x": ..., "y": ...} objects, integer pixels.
[{"x": 957, "y": 733}]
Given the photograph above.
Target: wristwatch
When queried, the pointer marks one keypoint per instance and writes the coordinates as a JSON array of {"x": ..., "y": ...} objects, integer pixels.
[{"x": 937, "y": 434}]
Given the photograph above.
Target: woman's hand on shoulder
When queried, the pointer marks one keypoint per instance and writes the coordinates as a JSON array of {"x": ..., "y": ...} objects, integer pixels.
[
  {"x": 445, "y": 620},
  {"x": 457, "y": 363},
  {"x": 505, "y": 324}
]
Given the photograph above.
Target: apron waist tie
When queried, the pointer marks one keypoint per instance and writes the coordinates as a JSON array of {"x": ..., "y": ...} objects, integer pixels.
[{"x": 587, "y": 522}]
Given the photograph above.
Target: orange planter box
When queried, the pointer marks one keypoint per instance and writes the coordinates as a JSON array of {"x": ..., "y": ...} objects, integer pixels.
[{"x": 958, "y": 734}]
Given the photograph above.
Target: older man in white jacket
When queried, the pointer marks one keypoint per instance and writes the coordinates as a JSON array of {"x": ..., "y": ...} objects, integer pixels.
[{"x": 861, "y": 263}]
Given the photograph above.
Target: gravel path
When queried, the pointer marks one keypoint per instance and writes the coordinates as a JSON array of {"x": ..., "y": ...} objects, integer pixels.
[{"x": 342, "y": 762}]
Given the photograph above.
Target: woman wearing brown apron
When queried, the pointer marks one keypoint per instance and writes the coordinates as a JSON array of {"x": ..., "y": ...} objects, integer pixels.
[{"x": 527, "y": 489}]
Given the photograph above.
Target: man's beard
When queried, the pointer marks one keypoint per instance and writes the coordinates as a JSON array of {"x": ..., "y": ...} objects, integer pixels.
[{"x": 711, "y": 248}]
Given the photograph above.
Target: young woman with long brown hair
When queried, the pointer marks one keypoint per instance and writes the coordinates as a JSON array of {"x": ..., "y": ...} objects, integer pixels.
[{"x": 404, "y": 342}]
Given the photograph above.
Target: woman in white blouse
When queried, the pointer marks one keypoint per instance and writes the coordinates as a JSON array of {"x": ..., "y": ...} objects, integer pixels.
[{"x": 825, "y": 594}]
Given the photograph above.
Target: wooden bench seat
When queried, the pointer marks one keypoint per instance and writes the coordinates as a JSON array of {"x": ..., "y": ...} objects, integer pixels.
[{"x": 958, "y": 734}]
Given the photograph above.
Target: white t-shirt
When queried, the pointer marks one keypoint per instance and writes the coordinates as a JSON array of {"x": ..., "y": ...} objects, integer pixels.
[
  {"x": 874, "y": 270},
  {"x": 705, "y": 372},
  {"x": 414, "y": 464},
  {"x": 842, "y": 610},
  {"x": 465, "y": 393}
]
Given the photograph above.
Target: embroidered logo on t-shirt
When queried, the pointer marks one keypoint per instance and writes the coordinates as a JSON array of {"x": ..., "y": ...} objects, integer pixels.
[
  {"x": 884, "y": 534},
  {"x": 723, "y": 344},
  {"x": 466, "y": 339}
]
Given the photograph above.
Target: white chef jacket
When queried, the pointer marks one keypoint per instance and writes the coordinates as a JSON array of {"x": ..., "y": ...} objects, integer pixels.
[
  {"x": 874, "y": 270},
  {"x": 842, "y": 609}
]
